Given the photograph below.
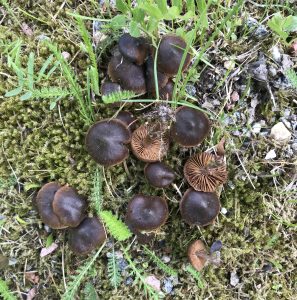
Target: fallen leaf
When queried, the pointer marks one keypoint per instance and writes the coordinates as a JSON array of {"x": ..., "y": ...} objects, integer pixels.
[
  {"x": 48, "y": 250},
  {"x": 31, "y": 294}
]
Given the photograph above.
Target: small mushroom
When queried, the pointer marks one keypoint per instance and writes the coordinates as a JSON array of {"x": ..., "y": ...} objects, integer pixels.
[
  {"x": 205, "y": 172},
  {"x": 130, "y": 76},
  {"x": 170, "y": 53},
  {"x": 127, "y": 118},
  {"x": 197, "y": 255},
  {"x": 89, "y": 235},
  {"x": 133, "y": 49},
  {"x": 199, "y": 208},
  {"x": 158, "y": 174},
  {"x": 147, "y": 213},
  {"x": 191, "y": 126},
  {"x": 109, "y": 88},
  {"x": 166, "y": 92},
  {"x": 69, "y": 206},
  {"x": 149, "y": 144},
  {"x": 44, "y": 203},
  {"x": 106, "y": 142}
]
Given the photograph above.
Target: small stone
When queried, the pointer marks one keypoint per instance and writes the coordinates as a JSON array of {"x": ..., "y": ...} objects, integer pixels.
[
  {"x": 66, "y": 55},
  {"x": 166, "y": 259},
  {"x": 223, "y": 210},
  {"x": 272, "y": 71},
  {"x": 154, "y": 282},
  {"x": 122, "y": 264},
  {"x": 167, "y": 286},
  {"x": 276, "y": 54},
  {"x": 129, "y": 281},
  {"x": 216, "y": 246},
  {"x": 287, "y": 62},
  {"x": 260, "y": 31},
  {"x": 267, "y": 268},
  {"x": 294, "y": 147},
  {"x": 256, "y": 128},
  {"x": 270, "y": 155},
  {"x": 191, "y": 90},
  {"x": 258, "y": 69},
  {"x": 234, "y": 279},
  {"x": 280, "y": 134},
  {"x": 229, "y": 65},
  {"x": 234, "y": 96},
  {"x": 12, "y": 261}
]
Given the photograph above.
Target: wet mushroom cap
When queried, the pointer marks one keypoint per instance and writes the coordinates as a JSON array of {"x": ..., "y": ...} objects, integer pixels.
[
  {"x": 130, "y": 76},
  {"x": 205, "y": 172},
  {"x": 133, "y": 49},
  {"x": 197, "y": 255},
  {"x": 170, "y": 53},
  {"x": 158, "y": 174},
  {"x": 190, "y": 128},
  {"x": 108, "y": 88},
  {"x": 199, "y": 208},
  {"x": 69, "y": 206},
  {"x": 147, "y": 213},
  {"x": 44, "y": 202},
  {"x": 149, "y": 146},
  {"x": 89, "y": 235},
  {"x": 106, "y": 142},
  {"x": 127, "y": 118}
]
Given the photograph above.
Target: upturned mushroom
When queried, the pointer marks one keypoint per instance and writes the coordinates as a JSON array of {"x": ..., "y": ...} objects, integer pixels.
[
  {"x": 89, "y": 235},
  {"x": 159, "y": 174},
  {"x": 106, "y": 142},
  {"x": 205, "y": 172},
  {"x": 190, "y": 128},
  {"x": 199, "y": 208},
  {"x": 197, "y": 255},
  {"x": 170, "y": 54}
]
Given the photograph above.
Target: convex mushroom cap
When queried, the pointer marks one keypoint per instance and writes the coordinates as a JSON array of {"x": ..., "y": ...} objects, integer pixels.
[
  {"x": 159, "y": 174},
  {"x": 108, "y": 88},
  {"x": 191, "y": 126},
  {"x": 199, "y": 208},
  {"x": 127, "y": 118},
  {"x": 147, "y": 213},
  {"x": 133, "y": 49},
  {"x": 106, "y": 142},
  {"x": 205, "y": 172},
  {"x": 89, "y": 235},
  {"x": 170, "y": 53},
  {"x": 197, "y": 255},
  {"x": 149, "y": 144}
]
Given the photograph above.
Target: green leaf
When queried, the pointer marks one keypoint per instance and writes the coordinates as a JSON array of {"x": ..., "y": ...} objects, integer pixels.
[
  {"x": 49, "y": 240},
  {"x": 118, "y": 22},
  {"x": 14, "y": 92},
  {"x": 178, "y": 4},
  {"x": 290, "y": 24},
  {"x": 94, "y": 80},
  {"x": 202, "y": 8},
  {"x": 5, "y": 292},
  {"x": 134, "y": 30},
  {"x": 277, "y": 25},
  {"x": 162, "y": 4},
  {"x": 30, "y": 69},
  {"x": 122, "y": 6},
  {"x": 26, "y": 96},
  {"x": 138, "y": 15},
  {"x": 173, "y": 13},
  {"x": 44, "y": 67},
  {"x": 53, "y": 105},
  {"x": 191, "y": 5},
  {"x": 152, "y": 10}
]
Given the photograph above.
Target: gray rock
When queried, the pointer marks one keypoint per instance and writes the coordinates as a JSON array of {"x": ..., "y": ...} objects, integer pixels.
[
  {"x": 259, "y": 31},
  {"x": 234, "y": 279},
  {"x": 167, "y": 285}
]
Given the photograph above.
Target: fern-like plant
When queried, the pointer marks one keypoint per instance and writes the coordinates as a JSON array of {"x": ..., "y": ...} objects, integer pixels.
[
  {"x": 118, "y": 96},
  {"x": 292, "y": 77},
  {"x": 96, "y": 196},
  {"x": 196, "y": 275},
  {"x": 113, "y": 270},
  {"x": 90, "y": 292},
  {"x": 5, "y": 292}
]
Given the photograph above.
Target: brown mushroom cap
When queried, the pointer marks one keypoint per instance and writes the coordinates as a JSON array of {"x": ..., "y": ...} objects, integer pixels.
[
  {"x": 191, "y": 126},
  {"x": 89, "y": 235},
  {"x": 69, "y": 206},
  {"x": 166, "y": 92},
  {"x": 147, "y": 213},
  {"x": 197, "y": 255},
  {"x": 205, "y": 172},
  {"x": 133, "y": 49},
  {"x": 106, "y": 142},
  {"x": 128, "y": 75},
  {"x": 170, "y": 53},
  {"x": 150, "y": 78},
  {"x": 109, "y": 88},
  {"x": 158, "y": 174},
  {"x": 148, "y": 144},
  {"x": 199, "y": 208},
  {"x": 127, "y": 118},
  {"x": 44, "y": 203}
]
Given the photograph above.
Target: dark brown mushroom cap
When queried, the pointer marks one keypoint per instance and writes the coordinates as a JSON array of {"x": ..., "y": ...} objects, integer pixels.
[
  {"x": 166, "y": 92},
  {"x": 197, "y": 255},
  {"x": 147, "y": 213},
  {"x": 44, "y": 203},
  {"x": 106, "y": 142},
  {"x": 170, "y": 53},
  {"x": 149, "y": 145},
  {"x": 199, "y": 208},
  {"x": 109, "y": 88},
  {"x": 69, "y": 206},
  {"x": 89, "y": 235},
  {"x": 127, "y": 118},
  {"x": 133, "y": 49},
  {"x": 128, "y": 75},
  {"x": 205, "y": 172},
  {"x": 191, "y": 126},
  {"x": 150, "y": 78},
  {"x": 158, "y": 174}
]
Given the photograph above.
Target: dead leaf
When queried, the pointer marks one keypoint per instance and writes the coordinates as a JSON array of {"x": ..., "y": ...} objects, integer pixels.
[
  {"x": 31, "y": 294},
  {"x": 48, "y": 250}
]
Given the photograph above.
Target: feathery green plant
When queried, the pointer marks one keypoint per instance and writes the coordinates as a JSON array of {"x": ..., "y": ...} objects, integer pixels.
[
  {"x": 196, "y": 275},
  {"x": 116, "y": 227},
  {"x": 159, "y": 262},
  {"x": 5, "y": 292},
  {"x": 292, "y": 77},
  {"x": 118, "y": 96},
  {"x": 113, "y": 270},
  {"x": 96, "y": 195},
  {"x": 90, "y": 292}
]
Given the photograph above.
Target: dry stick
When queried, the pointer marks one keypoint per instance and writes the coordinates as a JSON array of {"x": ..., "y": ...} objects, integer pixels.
[{"x": 63, "y": 268}]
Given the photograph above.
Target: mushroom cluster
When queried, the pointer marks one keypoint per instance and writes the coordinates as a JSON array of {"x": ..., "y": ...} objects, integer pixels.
[
  {"x": 62, "y": 207},
  {"x": 131, "y": 66}
]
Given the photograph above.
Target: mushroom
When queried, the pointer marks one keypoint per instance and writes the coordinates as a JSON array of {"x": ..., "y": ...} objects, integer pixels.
[
  {"x": 149, "y": 144},
  {"x": 89, "y": 235},
  {"x": 158, "y": 174},
  {"x": 133, "y": 49},
  {"x": 197, "y": 255},
  {"x": 106, "y": 142},
  {"x": 166, "y": 92},
  {"x": 191, "y": 126},
  {"x": 69, "y": 206},
  {"x": 127, "y": 118},
  {"x": 108, "y": 87},
  {"x": 128, "y": 75},
  {"x": 44, "y": 203},
  {"x": 147, "y": 213},
  {"x": 170, "y": 53},
  {"x": 199, "y": 208},
  {"x": 205, "y": 172}
]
